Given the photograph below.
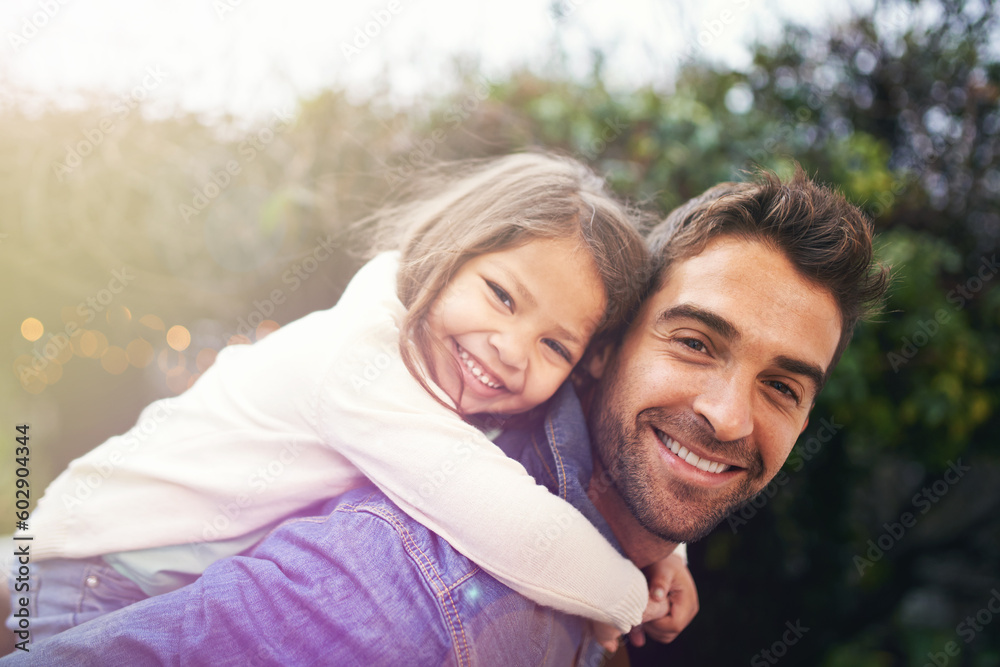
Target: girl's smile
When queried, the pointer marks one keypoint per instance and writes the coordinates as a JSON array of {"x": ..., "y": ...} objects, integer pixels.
[{"x": 510, "y": 326}]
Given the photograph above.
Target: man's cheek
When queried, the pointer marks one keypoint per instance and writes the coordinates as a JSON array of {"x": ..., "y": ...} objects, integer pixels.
[{"x": 776, "y": 455}]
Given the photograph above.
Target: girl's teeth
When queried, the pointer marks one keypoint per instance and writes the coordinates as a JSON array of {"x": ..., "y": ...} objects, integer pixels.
[{"x": 480, "y": 374}]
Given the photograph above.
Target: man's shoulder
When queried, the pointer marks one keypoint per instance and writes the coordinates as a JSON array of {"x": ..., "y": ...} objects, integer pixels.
[
  {"x": 406, "y": 580},
  {"x": 364, "y": 521}
]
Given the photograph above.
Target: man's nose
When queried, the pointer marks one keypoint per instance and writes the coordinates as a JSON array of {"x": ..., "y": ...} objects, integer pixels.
[{"x": 727, "y": 405}]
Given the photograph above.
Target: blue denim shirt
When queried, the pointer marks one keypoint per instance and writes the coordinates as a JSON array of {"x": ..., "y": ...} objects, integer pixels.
[{"x": 360, "y": 584}]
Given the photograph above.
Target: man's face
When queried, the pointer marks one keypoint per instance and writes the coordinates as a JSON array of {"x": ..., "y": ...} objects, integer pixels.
[{"x": 701, "y": 405}]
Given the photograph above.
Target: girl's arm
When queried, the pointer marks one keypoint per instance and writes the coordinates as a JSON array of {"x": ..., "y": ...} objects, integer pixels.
[{"x": 450, "y": 477}]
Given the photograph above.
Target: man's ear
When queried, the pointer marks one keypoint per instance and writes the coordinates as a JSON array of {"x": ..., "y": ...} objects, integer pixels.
[
  {"x": 804, "y": 426},
  {"x": 597, "y": 359}
]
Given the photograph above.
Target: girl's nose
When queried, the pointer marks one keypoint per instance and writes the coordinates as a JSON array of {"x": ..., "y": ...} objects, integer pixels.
[{"x": 512, "y": 350}]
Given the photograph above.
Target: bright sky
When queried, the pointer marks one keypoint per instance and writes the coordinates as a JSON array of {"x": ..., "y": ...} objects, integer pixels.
[{"x": 250, "y": 57}]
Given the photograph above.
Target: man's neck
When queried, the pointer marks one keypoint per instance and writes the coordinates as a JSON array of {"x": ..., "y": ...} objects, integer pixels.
[{"x": 641, "y": 546}]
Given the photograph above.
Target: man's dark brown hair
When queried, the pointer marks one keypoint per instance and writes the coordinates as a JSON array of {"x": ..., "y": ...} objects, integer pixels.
[{"x": 825, "y": 237}]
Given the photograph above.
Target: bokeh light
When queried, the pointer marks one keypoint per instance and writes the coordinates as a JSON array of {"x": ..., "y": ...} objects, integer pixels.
[
  {"x": 52, "y": 372},
  {"x": 205, "y": 359},
  {"x": 32, "y": 329},
  {"x": 168, "y": 359},
  {"x": 152, "y": 322},
  {"x": 118, "y": 316},
  {"x": 178, "y": 379},
  {"x": 266, "y": 327},
  {"x": 70, "y": 314},
  {"x": 115, "y": 360},
  {"x": 139, "y": 352},
  {"x": 93, "y": 343},
  {"x": 178, "y": 337},
  {"x": 34, "y": 384}
]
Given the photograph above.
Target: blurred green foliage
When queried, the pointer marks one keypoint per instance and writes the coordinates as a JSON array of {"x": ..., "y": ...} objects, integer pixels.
[{"x": 898, "y": 108}]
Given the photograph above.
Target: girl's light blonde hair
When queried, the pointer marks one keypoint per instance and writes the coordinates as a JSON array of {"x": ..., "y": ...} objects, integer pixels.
[{"x": 460, "y": 210}]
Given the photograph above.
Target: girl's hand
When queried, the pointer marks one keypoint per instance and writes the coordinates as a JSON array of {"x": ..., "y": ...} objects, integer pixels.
[
  {"x": 606, "y": 635},
  {"x": 673, "y": 601}
]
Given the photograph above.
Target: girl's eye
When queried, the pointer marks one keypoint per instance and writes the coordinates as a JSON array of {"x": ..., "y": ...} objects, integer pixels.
[
  {"x": 559, "y": 349},
  {"x": 501, "y": 294},
  {"x": 784, "y": 389}
]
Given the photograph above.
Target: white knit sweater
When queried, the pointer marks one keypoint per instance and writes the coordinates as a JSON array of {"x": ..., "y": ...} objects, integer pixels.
[{"x": 319, "y": 407}]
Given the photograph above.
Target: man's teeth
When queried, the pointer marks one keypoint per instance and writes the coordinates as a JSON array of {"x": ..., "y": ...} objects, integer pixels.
[
  {"x": 690, "y": 457},
  {"x": 480, "y": 374}
]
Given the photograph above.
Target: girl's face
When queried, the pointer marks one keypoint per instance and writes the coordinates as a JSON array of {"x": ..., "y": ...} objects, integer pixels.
[{"x": 510, "y": 326}]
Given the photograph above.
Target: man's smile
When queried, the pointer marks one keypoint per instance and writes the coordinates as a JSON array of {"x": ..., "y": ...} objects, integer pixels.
[
  {"x": 697, "y": 468},
  {"x": 688, "y": 456}
]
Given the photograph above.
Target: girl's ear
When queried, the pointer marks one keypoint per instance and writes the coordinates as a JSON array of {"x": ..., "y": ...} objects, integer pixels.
[{"x": 597, "y": 359}]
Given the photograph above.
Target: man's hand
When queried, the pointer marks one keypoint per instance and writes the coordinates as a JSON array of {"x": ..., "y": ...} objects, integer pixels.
[{"x": 673, "y": 601}]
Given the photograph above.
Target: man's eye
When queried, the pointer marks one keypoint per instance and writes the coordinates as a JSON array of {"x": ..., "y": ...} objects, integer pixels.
[
  {"x": 501, "y": 294},
  {"x": 694, "y": 344},
  {"x": 560, "y": 350},
  {"x": 784, "y": 389}
]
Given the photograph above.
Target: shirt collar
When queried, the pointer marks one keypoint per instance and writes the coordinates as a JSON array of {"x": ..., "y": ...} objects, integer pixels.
[{"x": 557, "y": 453}]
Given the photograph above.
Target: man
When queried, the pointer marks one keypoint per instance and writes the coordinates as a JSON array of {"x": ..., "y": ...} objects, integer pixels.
[{"x": 754, "y": 295}]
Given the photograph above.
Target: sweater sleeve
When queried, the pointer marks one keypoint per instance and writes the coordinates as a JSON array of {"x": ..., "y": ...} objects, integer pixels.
[{"x": 448, "y": 476}]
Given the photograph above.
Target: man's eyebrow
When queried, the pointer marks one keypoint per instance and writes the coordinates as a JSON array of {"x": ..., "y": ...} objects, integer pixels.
[
  {"x": 721, "y": 325},
  {"x": 798, "y": 367},
  {"x": 519, "y": 287}
]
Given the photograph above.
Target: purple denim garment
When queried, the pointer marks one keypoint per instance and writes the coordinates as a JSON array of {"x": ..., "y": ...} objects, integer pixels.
[{"x": 360, "y": 583}]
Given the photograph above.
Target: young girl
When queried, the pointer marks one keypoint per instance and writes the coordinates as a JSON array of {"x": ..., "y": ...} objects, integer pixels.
[{"x": 502, "y": 279}]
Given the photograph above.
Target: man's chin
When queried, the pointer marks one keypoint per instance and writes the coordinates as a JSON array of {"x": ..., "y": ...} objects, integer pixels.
[{"x": 679, "y": 522}]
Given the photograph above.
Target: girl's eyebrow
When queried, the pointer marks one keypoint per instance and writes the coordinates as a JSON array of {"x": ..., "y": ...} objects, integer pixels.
[
  {"x": 519, "y": 287},
  {"x": 568, "y": 335},
  {"x": 525, "y": 294}
]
